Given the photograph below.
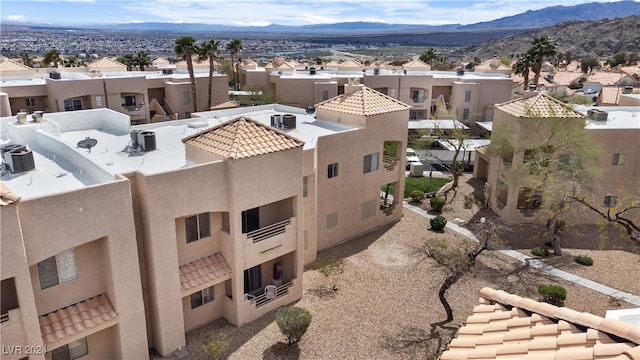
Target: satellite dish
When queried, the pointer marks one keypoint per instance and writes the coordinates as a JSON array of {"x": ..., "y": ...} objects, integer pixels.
[
  {"x": 87, "y": 143},
  {"x": 310, "y": 110}
]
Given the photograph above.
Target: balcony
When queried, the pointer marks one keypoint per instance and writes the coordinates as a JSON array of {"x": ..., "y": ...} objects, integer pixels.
[
  {"x": 387, "y": 209},
  {"x": 12, "y": 328},
  {"x": 268, "y": 231},
  {"x": 263, "y": 299},
  {"x": 389, "y": 162}
]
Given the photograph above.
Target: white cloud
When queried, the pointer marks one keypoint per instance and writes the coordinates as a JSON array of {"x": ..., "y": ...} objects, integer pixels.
[{"x": 17, "y": 18}]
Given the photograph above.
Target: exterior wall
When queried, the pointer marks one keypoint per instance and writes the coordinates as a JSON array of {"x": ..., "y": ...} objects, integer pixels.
[
  {"x": 134, "y": 86},
  {"x": 109, "y": 265},
  {"x": 90, "y": 90},
  {"x": 206, "y": 313},
  {"x": 346, "y": 193},
  {"x": 310, "y": 241},
  {"x": 490, "y": 92},
  {"x": 458, "y": 98}
]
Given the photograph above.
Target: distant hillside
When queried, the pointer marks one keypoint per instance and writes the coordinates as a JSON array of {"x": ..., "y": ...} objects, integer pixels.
[
  {"x": 603, "y": 37},
  {"x": 556, "y": 14}
]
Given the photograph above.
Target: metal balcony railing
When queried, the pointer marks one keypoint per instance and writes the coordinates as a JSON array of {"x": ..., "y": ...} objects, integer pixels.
[
  {"x": 268, "y": 231},
  {"x": 262, "y": 299}
]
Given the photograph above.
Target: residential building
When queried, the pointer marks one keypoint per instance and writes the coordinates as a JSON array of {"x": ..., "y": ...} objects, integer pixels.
[
  {"x": 431, "y": 94},
  {"x": 615, "y": 130},
  {"x": 145, "y": 96},
  {"x": 156, "y": 229},
  {"x": 507, "y": 326}
]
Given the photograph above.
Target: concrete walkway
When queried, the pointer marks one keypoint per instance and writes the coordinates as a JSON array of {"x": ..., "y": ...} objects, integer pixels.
[{"x": 628, "y": 297}]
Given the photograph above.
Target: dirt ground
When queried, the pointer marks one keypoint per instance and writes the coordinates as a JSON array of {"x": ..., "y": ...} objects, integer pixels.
[{"x": 386, "y": 305}]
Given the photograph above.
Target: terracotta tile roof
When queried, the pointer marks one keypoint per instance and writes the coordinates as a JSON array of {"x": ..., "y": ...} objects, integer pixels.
[
  {"x": 539, "y": 106},
  {"x": 350, "y": 64},
  {"x": 225, "y": 105},
  {"x": 609, "y": 95},
  {"x": 365, "y": 101},
  {"x": 507, "y": 326},
  {"x": 204, "y": 270},
  {"x": 492, "y": 64},
  {"x": 76, "y": 318},
  {"x": 606, "y": 78},
  {"x": 106, "y": 63},
  {"x": 241, "y": 138},
  {"x": 8, "y": 65},
  {"x": 332, "y": 63},
  {"x": 416, "y": 65},
  {"x": 161, "y": 61},
  {"x": 6, "y": 195}
]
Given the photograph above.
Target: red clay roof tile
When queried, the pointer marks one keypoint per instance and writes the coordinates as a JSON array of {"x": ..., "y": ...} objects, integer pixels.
[{"x": 210, "y": 268}]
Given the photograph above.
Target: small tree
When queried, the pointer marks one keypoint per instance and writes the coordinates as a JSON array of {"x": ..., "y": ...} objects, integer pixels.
[
  {"x": 293, "y": 322},
  {"x": 460, "y": 260},
  {"x": 215, "y": 345},
  {"x": 589, "y": 63},
  {"x": 438, "y": 223},
  {"x": 331, "y": 269},
  {"x": 553, "y": 294}
]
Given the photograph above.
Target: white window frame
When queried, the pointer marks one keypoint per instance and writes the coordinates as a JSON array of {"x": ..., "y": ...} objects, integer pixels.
[
  {"x": 332, "y": 170},
  {"x": 203, "y": 227},
  {"x": 202, "y": 297},
  {"x": 618, "y": 159},
  {"x": 371, "y": 163},
  {"x": 66, "y": 268}
]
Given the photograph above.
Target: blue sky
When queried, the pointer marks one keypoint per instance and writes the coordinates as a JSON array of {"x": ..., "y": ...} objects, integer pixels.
[{"x": 265, "y": 12}]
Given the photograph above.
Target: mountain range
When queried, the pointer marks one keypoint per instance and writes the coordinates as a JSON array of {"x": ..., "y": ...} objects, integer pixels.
[{"x": 528, "y": 20}]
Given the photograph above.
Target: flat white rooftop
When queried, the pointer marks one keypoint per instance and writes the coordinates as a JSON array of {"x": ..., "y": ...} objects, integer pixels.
[
  {"x": 61, "y": 165},
  {"x": 619, "y": 117}
]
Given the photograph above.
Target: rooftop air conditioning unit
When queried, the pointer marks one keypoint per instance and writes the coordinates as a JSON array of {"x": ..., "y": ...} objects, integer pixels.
[
  {"x": 597, "y": 115},
  {"x": 134, "y": 138},
  {"x": 532, "y": 87},
  {"x": 19, "y": 160},
  {"x": 147, "y": 140},
  {"x": 460, "y": 72},
  {"x": 376, "y": 71},
  {"x": 289, "y": 121},
  {"x": 312, "y": 70},
  {"x": 55, "y": 75},
  {"x": 167, "y": 71},
  {"x": 37, "y": 116},
  {"x": 276, "y": 120},
  {"x": 627, "y": 89}
]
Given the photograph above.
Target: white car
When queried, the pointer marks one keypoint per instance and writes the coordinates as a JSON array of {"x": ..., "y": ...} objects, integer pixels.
[{"x": 411, "y": 157}]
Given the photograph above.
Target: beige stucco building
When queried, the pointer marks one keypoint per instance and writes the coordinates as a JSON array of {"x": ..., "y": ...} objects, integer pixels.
[
  {"x": 145, "y": 96},
  {"x": 615, "y": 130},
  {"x": 431, "y": 94},
  {"x": 154, "y": 230}
]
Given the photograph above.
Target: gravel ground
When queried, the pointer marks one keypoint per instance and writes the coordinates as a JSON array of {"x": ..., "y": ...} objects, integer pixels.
[{"x": 386, "y": 305}]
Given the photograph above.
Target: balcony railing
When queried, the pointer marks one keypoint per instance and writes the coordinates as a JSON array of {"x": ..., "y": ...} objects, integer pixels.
[
  {"x": 4, "y": 317},
  {"x": 507, "y": 163},
  {"x": 389, "y": 162},
  {"x": 500, "y": 204},
  {"x": 419, "y": 99},
  {"x": 262, "y": 299},
  {"x": 387, "y": 210},
  {"x": 268, "y": 231}
]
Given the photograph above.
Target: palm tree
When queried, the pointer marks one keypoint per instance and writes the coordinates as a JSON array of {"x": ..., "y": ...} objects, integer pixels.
[
  {"x": 71, "y": 61},
  {"x": 208, "y": 50},
  {"x": 429, "y": 56},
  {"x": 185, "y": 47},
  {"x": 541, "y": 46},
  {"x": 128, "y": 60},
  {"x": 142, "y": 59},
  {"x": 233, "y": 47},
  {"x": 26, "y": 59},
  {"x": 52, "y": 56},
  {"x": 522, "y": 65}
]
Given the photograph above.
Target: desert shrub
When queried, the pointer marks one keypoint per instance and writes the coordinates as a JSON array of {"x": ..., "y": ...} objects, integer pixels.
[
  {"x": 553, "y": 294},
  {"x": 438, "y": 223},
  {"x": 214, "y": 345},
  {"x": 584, "y": 260},
  {"x": 417, "y": 195},
  {"x": 293, "y": 322},
  {"x": 437, "y": 203},
  {"x": 540, "y": 251},
  {"x": 331, "y": 269}
]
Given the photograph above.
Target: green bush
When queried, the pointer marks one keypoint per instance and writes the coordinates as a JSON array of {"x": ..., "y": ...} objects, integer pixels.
[
  {"x": 293, "y": 322},
  {"x": 437, "y": 203},
  {"x": 214, "y": 345},
  {"x": 584, "y": 260},
  {"x": 438, "y": 223},
  {"x": 540, "y": 251},
  {"x": 417, "y": 195},
  {"x": 553, "y": 294}
]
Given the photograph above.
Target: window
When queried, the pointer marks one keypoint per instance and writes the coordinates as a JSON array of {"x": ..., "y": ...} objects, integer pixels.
[
  {"x": 73, "y": 350},
  {"x": 30, "y": 101},
  {"x": 186, "y": 99},
  {"x": 332, "y": 170},
  {"x": 252, "y": 279},
  {"x": 467, "y": 96},
  {"x": 197, "y": 227},
  {"x": 417, "y": 96},
  {"x": 325, "y": 95},
  {"x": 128, "y": 101},
  {"x": 305, "y": 186},
  {"x": 465, "y": 114},
  {"x": 618, "y": 159},
  {"x": 332, "y": 220},
  {"x": 370, "y": 163},
  {"x": 610, "y": 201},
  {"x": 73, "y": 105},
  {"x": 202, "y": 297},
  {"x": 57, "y": 269}
]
